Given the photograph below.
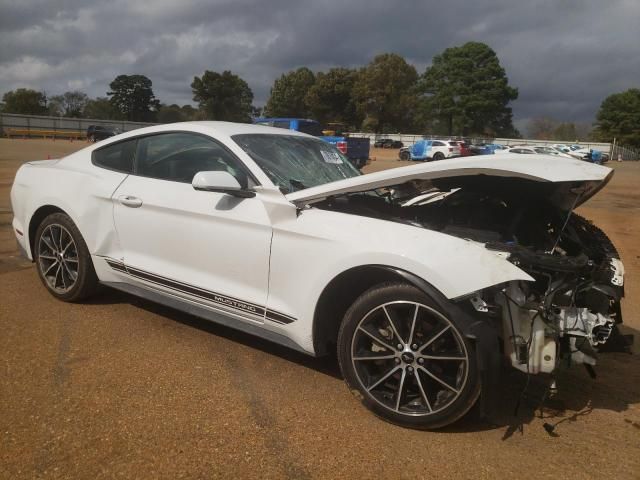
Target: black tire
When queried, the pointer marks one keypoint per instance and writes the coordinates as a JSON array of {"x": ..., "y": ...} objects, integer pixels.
[
  {"x": 422, "y": 403},
  {"x": 405, "y": 156},
  {"x": 438, "y": 156},
  {"x": 51, "y": 255}
]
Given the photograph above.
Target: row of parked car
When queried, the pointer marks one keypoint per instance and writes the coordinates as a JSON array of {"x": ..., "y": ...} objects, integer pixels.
[
  {"x": 571, "y": 151},
  {"x": 426, "y": 150}
]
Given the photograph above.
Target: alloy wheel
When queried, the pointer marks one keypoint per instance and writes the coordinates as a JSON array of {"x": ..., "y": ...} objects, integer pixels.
[
  {"x": 409, "y": 358},
  {"x": 58, "y": 258}
]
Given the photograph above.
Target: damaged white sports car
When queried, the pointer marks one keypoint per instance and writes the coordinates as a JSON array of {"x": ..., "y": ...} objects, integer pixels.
[{"x": 423, "y": 278}]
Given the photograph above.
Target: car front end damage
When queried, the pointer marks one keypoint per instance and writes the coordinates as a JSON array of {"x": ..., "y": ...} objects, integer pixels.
[{"x": 571, "y": 310}]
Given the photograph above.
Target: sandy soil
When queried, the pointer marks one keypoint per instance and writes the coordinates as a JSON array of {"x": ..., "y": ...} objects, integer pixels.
[{"x": 120, "y": 387}]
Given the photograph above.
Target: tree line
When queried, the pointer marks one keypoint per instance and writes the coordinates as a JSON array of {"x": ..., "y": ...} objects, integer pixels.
[{"x": 465, "y": 91}]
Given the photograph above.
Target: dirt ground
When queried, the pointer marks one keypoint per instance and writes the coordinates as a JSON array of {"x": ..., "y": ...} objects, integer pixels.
[{"x": 120, "y": 387}]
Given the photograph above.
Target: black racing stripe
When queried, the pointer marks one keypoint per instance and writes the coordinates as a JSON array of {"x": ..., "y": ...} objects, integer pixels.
[
  {"x": 187, "y": 287},
  {"x": 198, "y": 292},
  {"x": 214, "y": 297},
  {"x": 279, "y": 317},
  {"x": 117, "y": 266}
]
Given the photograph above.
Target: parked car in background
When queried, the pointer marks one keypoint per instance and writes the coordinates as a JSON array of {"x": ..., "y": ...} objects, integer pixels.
[
  {"x": 529, "y": 149},
  {"x": 546, "y": 150},
  {"x": 356, "y": 149},
  {"x": 486, "y": 148},
  {"x": 590, "y": 155},
  {"x": 404, "y": 153},
  {"x": 465, "y": 150},
  {"x": 425, "y": 150},
  {"x": 388, "y": 143},
  {"x": 561, "y": 147},
  {"x": 95, "y": 133}
]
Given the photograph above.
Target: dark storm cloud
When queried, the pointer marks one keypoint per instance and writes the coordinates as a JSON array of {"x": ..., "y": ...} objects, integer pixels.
[{"x": 565, "y": 56}]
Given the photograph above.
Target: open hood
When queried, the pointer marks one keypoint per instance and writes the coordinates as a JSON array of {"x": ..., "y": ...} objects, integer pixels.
[{"x": 574, "y": 177}]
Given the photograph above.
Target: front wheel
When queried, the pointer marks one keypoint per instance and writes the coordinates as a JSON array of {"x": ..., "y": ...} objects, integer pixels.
[{"x": 406, "y": 359}]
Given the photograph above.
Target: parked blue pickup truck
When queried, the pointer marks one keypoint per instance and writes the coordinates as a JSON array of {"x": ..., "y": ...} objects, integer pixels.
[{"x": 354, "y": 148}]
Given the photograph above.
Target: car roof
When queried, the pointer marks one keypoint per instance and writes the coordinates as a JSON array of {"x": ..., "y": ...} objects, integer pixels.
[
  {"x": 213, "y": 128},
  {"x": 285, "y": 119}
]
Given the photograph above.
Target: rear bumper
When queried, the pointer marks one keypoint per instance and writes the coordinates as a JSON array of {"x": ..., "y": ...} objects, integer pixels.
[
  {"x": 21, "y": 239},
  {"x": 23, "y": 252}
]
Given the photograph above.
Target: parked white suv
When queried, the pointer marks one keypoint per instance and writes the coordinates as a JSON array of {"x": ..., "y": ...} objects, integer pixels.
[{"x": 426, "y": 150}]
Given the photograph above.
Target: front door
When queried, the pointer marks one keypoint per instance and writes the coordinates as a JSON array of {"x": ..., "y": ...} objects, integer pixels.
[{"x": 208, "y": 247}]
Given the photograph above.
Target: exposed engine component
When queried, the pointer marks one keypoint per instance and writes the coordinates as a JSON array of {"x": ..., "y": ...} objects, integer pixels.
[{"x": 580, "y": 322}]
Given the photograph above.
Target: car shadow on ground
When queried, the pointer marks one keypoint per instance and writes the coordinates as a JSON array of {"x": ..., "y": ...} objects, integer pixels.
[
  {"x": 516, "y": 401},
  {"x": 326, "y": 365}
]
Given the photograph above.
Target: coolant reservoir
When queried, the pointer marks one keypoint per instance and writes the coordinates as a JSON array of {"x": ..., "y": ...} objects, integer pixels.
[{"x": 542, "y": 353}]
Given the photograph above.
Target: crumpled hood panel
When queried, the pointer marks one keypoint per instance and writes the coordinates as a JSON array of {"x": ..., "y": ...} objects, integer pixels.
[{"x": 586, "y": 177}]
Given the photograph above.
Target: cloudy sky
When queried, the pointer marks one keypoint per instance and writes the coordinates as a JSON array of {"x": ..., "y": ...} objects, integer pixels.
[{"x": 565, "y": 56}]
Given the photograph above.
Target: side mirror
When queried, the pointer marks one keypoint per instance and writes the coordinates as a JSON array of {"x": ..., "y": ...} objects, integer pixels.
[{"x": 221, "y": 182}]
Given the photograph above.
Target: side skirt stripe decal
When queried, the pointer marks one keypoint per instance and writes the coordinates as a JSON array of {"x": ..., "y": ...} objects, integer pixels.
[{"x": 214, "y": 297}]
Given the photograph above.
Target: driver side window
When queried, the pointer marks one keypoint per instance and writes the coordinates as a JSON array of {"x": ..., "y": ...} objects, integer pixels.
[{"x": 179, "y": 156}]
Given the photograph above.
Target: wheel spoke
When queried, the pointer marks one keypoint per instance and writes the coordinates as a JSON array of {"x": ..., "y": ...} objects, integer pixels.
[
  {"x": 435, "y": 357},
  {"x": 376, "y": 339},
  {"x": 64, "y": 250},
  {"x": 49, "y": 268},
  {"x": 433, "y": 339},
  {"x": 393, "y": 327},
  {"x": 48, "y": 244},
  {"x": 52, "y": 237},
  {"x": 400, "y": 388},
  {"x": 60, "y": 238},
  {"x": 422, "y": 392},
  {"x": 55, "y": 278},
  {"x": 47, "y": 257},
  {"x": 74, "y": 260},
  {"x": 64, "y": 284},
  {"x": 70, "y": 274},
  {"x": 379, "y": 357},
  {"x": 384, "y": 377},
  {"x": 442, "y": 382},
  {"x": 413, "y": 324}
]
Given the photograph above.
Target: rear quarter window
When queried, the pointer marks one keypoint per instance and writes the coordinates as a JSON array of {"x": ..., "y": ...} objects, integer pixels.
[{"x": 117, "y": 156}]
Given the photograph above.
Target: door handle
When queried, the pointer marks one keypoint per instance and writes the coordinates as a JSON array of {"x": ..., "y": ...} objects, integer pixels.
[{"x": 129, "y": 201}]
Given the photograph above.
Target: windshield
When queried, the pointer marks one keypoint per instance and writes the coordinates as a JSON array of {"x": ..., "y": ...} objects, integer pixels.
[{"x": 294, "y": 163}]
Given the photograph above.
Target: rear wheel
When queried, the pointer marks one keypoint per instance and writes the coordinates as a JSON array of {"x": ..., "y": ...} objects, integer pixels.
[
  {"x": 63, "y": 260},
  {"x": 406, "y": 359},
  {"x": 438, "y": 156},
  {"x": 404, "y": 156}
]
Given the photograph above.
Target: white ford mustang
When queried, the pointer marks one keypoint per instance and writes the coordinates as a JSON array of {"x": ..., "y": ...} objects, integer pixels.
[{"x": 424, "y": 279}]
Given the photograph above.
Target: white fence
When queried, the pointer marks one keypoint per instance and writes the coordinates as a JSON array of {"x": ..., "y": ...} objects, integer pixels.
[
  {"x": 624, "y": 152},
  {"x": 34, "y": 125}
]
